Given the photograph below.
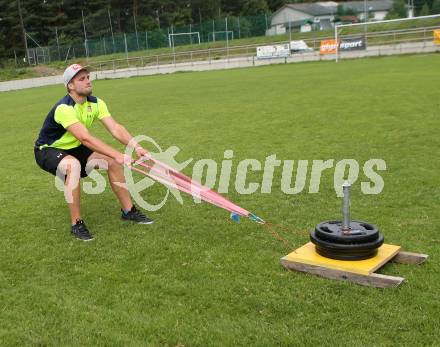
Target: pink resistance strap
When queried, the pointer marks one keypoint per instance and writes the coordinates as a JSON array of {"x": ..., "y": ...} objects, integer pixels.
[{"x": 172, "y": 178}]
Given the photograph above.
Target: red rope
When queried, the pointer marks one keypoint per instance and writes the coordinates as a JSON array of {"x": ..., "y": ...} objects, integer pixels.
[{"x": 271, "y": 228}]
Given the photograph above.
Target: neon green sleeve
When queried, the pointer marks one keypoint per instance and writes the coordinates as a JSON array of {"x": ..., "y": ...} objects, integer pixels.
[
  {"x": 102, "y": 110},
  {"x": 65, "y": 115}
]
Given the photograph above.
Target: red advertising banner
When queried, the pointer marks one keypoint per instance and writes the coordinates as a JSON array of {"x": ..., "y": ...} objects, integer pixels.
[{"x": 328, "y": 46}]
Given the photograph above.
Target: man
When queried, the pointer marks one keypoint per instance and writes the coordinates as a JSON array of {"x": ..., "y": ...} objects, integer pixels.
[{"x": 66, "y": 145}]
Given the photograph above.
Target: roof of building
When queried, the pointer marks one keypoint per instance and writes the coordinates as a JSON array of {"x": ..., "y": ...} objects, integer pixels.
[
  {"x": 373, "y": 5},
  {"x": 313, "y": 9},
  {"x": 330, "y": 7}
]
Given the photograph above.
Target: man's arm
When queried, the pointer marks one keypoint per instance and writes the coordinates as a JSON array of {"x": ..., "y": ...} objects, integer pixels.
[
  {"x": 82, "y": 134},
  {"x": 121, "y": 134}
]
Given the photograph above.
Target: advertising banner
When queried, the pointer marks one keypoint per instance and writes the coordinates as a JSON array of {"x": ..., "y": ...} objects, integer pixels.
[
  {"x": 299, "y": 46},
  {"x": 274, "y": 51},
  {"x": 437, "y": 37},
  {"x": 351, "y": 44},
  {"x": 328, "y": 47}
]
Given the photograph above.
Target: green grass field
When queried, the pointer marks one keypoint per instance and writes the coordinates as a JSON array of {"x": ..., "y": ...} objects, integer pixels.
[{"x": 194, "y": 278}]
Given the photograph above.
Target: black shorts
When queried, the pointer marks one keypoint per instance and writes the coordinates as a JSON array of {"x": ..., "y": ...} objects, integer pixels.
[{"x": 48, "y": 158}]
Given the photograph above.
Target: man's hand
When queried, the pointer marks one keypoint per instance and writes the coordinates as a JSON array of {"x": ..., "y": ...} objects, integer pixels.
[
  {"x": 122, "y": 159},
  {"x": 140, "y": 151}
]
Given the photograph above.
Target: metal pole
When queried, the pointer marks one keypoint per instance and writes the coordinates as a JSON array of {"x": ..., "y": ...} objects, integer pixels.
[
  {"x": 67, "y": 55},
  {"x": 365, "y": 19},
  {"x": 190, "y": 34},
  {"x": 23, "y": 32},
  {"x": 135, "y": 30},
  {"x": 213, "y": 30},
  {"x": 103, "y": 41},
  {"x": 346, "y": 223},
  {"x": 172, "y": 42},
  {"x": 15, "y": 58},
  {"x": 172, "y": 37},
  {"x": 146, "y": 39},
  {"x": 239, "y": 32},
  {"x": 337, "y": 44},
  {"x": 290, "y": 32},
  {"x": 85, "y": 34},
  {"x": 126, "y": 48},
  {"x": 227, "y": 38},
  {"x": 58, "y": 43},
  {"x": 111, "y": 28}
]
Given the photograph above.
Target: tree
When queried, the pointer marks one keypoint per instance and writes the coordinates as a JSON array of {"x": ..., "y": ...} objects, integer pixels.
[
  {"x": 10, "y": 28},
  {"x": 345, "y": 11},
  {"x": 435, "y": 9},
  {"x": 49, "y": 20},
  {"x": 253, "y": 7},
  {"x": 398, "y": 10},
  {"x": 275, "y": 5},
  {"x": 425, "y": 10}
]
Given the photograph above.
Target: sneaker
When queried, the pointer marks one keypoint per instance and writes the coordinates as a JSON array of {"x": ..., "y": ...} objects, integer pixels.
[
  {"x": 80, "y": 231},
  {"x": 136, "y": 216}
]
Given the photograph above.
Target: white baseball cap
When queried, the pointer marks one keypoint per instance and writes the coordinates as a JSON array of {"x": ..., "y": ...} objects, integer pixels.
[{"x": 71, "y": 71}]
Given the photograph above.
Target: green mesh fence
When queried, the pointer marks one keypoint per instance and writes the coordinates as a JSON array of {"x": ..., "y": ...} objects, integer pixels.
[{"x": 103, "y": 35}]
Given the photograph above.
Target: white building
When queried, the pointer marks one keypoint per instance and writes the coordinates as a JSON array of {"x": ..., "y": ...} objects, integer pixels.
[{"x": 320, "y": 15}]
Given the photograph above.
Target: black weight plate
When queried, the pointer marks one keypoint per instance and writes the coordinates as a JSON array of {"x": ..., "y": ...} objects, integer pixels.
[
  {"x": 346, "y": 246},
  {"x": 367, "y": 254},
  {"x": 344, "y": 251},
  {"x": 331, "y": 231}
]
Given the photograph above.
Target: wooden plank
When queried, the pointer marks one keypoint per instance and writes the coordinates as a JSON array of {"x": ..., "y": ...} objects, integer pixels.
[
  {"x": 307, "y": 254},
  {"x": 372, "y": 280},
  {"x": 409, "y": 258}
]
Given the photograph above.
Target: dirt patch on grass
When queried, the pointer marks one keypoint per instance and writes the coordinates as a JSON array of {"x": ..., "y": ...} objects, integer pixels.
[{"x": 46, "y": 71}]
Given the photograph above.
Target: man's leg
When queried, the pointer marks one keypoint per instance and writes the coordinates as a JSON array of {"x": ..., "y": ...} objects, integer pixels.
[
  {"x": 117, "y": 180},
  {"x": 70, "y": 169}
]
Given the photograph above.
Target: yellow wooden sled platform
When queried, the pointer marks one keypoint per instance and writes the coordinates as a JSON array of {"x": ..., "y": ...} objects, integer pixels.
[{"x": 305, "y": 259}]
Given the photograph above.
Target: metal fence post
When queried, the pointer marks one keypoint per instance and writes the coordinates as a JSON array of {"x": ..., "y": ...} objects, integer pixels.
[
  {"x": 227, "y": 40},
  {"x": 126, "y": 49}
]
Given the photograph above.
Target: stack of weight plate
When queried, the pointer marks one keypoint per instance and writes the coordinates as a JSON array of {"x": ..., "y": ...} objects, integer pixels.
[{"x": 360, "y": 241}]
